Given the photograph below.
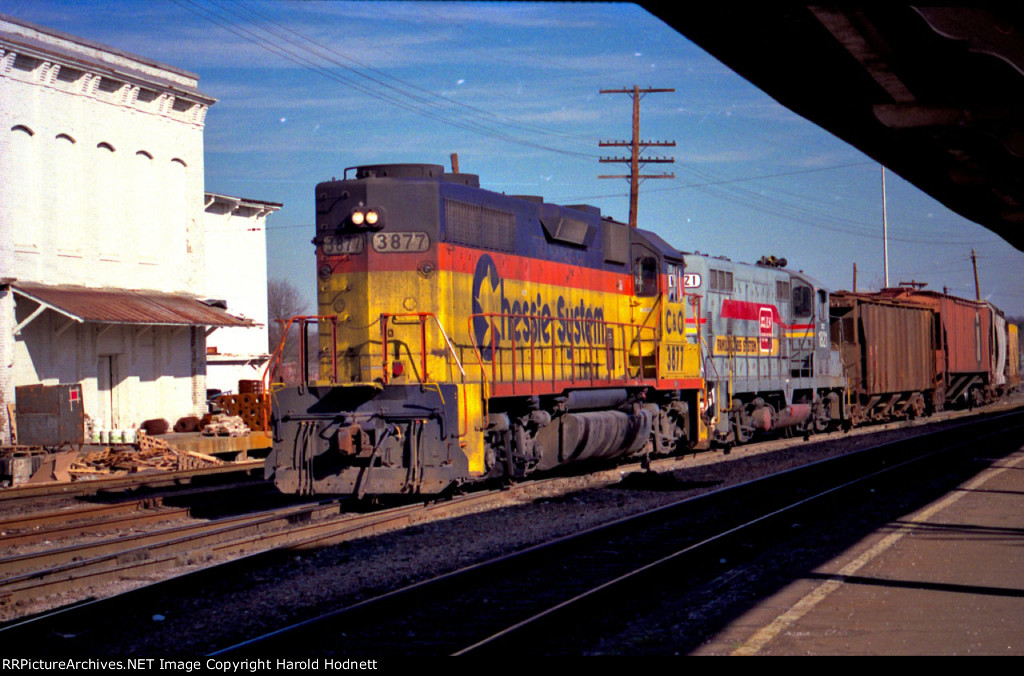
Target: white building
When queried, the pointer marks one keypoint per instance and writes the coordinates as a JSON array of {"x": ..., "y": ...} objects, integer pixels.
[
  {"x": 237, "y": 270},
  {"x": 102, "y": 242}
]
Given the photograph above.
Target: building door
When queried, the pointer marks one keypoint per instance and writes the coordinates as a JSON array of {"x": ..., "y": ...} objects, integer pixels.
[{"x": 106, "y": 386}]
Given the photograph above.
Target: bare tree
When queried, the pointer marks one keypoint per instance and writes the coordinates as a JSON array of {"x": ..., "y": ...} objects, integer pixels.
[{"x": 284, "y": 301}]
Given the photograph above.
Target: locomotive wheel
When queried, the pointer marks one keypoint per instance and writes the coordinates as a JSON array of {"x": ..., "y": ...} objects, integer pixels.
[
  {"x": 822, "y": 421},
  {"x": 740, "y": 433}
]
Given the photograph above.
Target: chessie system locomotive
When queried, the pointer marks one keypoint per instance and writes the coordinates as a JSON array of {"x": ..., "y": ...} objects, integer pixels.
[{"x": 466, "y": 334}]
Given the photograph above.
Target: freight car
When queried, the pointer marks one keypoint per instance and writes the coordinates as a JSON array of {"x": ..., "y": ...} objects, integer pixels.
[
  {"x": 971, "y": 344},
  {"x": 889, "y": 354},
  {"x": 466, "y": 334}
]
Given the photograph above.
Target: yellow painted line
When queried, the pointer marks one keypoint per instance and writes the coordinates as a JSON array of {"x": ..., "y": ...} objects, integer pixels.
[{"x": 783, "y": 622}]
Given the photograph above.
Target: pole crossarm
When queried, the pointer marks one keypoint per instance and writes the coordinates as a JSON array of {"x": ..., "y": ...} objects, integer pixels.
[{"x": 637, "y": 146}]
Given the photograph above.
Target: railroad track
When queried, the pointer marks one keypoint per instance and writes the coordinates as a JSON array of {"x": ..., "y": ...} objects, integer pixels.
[
  {"x": 60, "y": 570},
  {"x": 543, "y": 600},
  {"x": 120, "y": 514},
  {"x": 11, "y": 497},
  {"x": 89, "y": 629}
]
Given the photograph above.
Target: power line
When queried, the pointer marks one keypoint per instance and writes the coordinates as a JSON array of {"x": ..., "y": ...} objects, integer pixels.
[{"x": 300, "y": 54}]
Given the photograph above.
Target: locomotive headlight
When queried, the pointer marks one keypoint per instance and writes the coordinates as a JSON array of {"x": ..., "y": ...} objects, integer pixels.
[{"x": 363, "y": 217}]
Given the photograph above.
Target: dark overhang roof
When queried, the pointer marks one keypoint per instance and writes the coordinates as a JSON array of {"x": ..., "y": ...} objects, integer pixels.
[
  {"x": 936, "y": 94},
  {"x": 122, "y": 306}
]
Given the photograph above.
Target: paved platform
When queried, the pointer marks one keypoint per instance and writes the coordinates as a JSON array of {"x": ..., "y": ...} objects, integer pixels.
[{"x": 946, "y": 580}]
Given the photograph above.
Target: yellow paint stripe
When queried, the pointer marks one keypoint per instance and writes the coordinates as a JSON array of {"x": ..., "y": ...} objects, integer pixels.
[{"x": 763, "y": 636}]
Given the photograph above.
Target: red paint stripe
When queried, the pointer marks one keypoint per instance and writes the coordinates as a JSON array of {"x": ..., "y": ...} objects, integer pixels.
[
  {"x": 749, "y": 311},
  {"x": 742, "y": 309},
  {"x": 463, "y": 260}
]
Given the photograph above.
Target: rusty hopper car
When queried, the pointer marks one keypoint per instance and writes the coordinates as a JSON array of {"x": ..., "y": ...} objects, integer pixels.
[
  {"x": 888, "y": 351},
  {"x": 466, "y": 334}
]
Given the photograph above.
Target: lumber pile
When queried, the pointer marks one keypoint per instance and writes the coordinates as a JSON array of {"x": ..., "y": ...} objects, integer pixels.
[{"x": 226, "y": 426}]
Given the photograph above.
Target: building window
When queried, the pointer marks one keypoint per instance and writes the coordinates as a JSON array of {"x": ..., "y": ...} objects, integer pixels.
[{"x": 21, "y": 194}]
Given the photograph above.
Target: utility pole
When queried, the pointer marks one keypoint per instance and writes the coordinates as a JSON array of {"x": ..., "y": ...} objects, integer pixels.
[
  {"x": 885, "y": 232},
  {"x": 637, "y": 146},
  {"x": 977, "y": 288}
]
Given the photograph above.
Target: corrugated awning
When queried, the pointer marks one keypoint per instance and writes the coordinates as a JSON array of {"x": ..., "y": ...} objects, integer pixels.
[{"x": 123, "y": 306}]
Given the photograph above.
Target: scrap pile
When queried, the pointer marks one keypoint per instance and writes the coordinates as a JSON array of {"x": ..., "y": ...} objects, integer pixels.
[
  {"x": 249, "y": 406},
  {"x": 151, "y": 455}
]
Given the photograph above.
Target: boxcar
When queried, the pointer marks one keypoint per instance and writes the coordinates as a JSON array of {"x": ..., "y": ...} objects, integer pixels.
[
  {"x": 888, "y": 349},
  {"x": 964, "y": 349}
]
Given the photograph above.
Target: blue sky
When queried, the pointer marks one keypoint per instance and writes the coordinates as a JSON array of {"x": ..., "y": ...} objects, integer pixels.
[{"x": 308, "y": 88}]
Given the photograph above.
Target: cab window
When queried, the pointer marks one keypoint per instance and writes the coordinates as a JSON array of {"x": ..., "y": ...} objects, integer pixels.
[
  {"x": 645, "y": 276},
  {"x": 674, "y": 273},
  {"x": 803, "y": 301}
]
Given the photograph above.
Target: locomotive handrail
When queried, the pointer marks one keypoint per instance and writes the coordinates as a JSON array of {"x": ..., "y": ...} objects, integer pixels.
[
  {"x": 424, "y": 378},
  {"x": 572, "y": 345},
  {"x": 270, "y": 372},
  {"x": 422, "y": 316}
]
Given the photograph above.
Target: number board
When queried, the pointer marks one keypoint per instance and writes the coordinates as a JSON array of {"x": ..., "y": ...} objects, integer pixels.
[
  {"x": 342, "y": 244},
  {"x": 401, "y": 242}
]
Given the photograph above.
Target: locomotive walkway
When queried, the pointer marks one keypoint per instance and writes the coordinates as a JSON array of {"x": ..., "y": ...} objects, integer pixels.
[{"x": 947, "y": 579}]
